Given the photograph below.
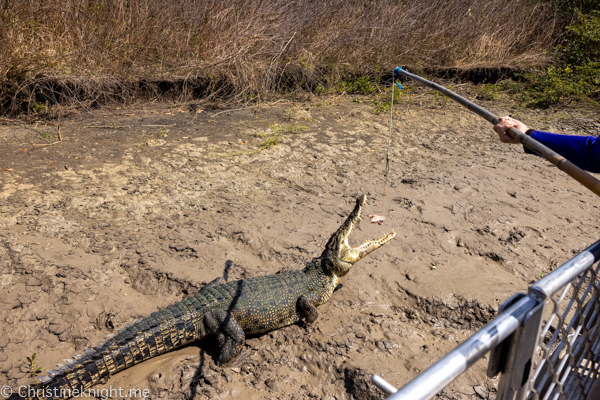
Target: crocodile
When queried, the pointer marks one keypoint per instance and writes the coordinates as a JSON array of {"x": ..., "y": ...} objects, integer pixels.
[{"x": 228, "y": 310}]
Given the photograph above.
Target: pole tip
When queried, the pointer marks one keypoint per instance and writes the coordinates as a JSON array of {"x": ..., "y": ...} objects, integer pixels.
[{"x": 397, "y": 76}]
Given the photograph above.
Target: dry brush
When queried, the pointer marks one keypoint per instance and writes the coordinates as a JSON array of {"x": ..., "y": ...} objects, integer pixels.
[{"x": 86, "y": 52}]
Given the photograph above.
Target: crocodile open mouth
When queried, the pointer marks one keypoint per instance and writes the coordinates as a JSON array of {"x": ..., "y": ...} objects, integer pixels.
[{"x": 338, "y": 243}]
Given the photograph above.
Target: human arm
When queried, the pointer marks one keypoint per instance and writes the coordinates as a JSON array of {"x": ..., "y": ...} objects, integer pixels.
[{"x": 583, "y": 151}]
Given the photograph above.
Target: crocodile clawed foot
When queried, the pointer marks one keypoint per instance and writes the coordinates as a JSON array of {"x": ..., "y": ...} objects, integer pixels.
[
  {"x": 307, "y": 326},
  {"x": 311, "y": 329}
]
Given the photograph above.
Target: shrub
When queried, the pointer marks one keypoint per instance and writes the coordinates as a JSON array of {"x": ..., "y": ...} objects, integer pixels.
[
  {"x": 559, "y": 85},
  {"x": 576, "y": 75},
  {"x": 582, "y": 42}
]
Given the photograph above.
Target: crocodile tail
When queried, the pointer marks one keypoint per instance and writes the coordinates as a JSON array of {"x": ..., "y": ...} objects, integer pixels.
[{"x": 160, "y": 332}]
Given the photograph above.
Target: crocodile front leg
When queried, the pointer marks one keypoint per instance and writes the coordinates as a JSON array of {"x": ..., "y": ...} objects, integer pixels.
[
  {"x": 229, "y": 333},
  {"x": 306, "y": 306},
  {"x": 214, "y": 282}
]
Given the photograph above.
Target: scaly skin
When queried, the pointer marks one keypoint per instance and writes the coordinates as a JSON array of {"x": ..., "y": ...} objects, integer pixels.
[{"x": 227, "y": 310}]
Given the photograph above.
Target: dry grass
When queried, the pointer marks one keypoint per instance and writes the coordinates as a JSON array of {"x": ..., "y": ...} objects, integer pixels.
[{"x": 84, "y": 52}]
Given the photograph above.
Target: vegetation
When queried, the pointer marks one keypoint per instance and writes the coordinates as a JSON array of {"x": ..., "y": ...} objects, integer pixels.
[
  {"x": 91, "y": 52},
  {"x": 57, "y": 55},
  {"x": 33, "y": 370},
  {"x": 568, "y": 8},
  {"x": 577, "y": 73},
  {"x": 558, "y": 85},
  {"x": 582, "y": 42}
]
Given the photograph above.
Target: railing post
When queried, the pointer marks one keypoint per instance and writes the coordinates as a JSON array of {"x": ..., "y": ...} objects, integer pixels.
[
  {"x": 530, "y": 337},
  {"x": 513, "y": 358}
]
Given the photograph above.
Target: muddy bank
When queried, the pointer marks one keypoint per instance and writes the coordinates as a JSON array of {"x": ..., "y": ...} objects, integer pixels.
[{"x": 136, "y": 208}]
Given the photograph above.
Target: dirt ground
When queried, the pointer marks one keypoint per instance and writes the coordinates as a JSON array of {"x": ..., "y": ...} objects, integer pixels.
[{"x": 136, "y": 208}]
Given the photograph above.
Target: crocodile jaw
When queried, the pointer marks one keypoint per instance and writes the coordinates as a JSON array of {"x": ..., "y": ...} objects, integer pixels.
[{"x": 345, "y": 255}]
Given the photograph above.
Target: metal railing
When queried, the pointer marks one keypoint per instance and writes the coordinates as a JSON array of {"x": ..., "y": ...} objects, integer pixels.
[{"x": 545, "y": 344}]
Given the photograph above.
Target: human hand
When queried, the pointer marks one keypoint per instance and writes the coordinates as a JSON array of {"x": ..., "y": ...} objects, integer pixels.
[{"x": 504, "y": 124}]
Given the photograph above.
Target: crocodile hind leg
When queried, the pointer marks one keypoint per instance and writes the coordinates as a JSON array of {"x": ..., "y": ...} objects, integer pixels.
[
  {"x": 229, "y": 334},
  {"x": 305, "y": 306}
]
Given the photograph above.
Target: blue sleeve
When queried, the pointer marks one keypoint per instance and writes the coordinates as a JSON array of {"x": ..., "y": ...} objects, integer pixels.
[{"x": 583, "y": 151}]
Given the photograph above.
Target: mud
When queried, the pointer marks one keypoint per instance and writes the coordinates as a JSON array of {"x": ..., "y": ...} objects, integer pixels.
[{"x": 136, "y": 208}]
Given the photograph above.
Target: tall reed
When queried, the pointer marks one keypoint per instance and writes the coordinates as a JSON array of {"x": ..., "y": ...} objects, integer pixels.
[{"x": 93, "y": 50}]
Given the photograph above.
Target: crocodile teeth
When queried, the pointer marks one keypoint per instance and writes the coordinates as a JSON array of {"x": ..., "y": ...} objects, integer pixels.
[{"x": 44, "y": 379}]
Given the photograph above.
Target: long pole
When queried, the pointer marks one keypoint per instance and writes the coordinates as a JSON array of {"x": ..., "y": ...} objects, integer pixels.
[{"x": 562, "y": 163}]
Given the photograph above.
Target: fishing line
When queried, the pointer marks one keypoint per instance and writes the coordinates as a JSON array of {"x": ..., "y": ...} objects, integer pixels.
[
  {"x": 387, "y": 156},
  {"x": 378, "y": 219}
]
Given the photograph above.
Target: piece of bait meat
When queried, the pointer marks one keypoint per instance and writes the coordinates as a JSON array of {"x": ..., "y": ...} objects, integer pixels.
[{"x": 377, "y": 219}]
